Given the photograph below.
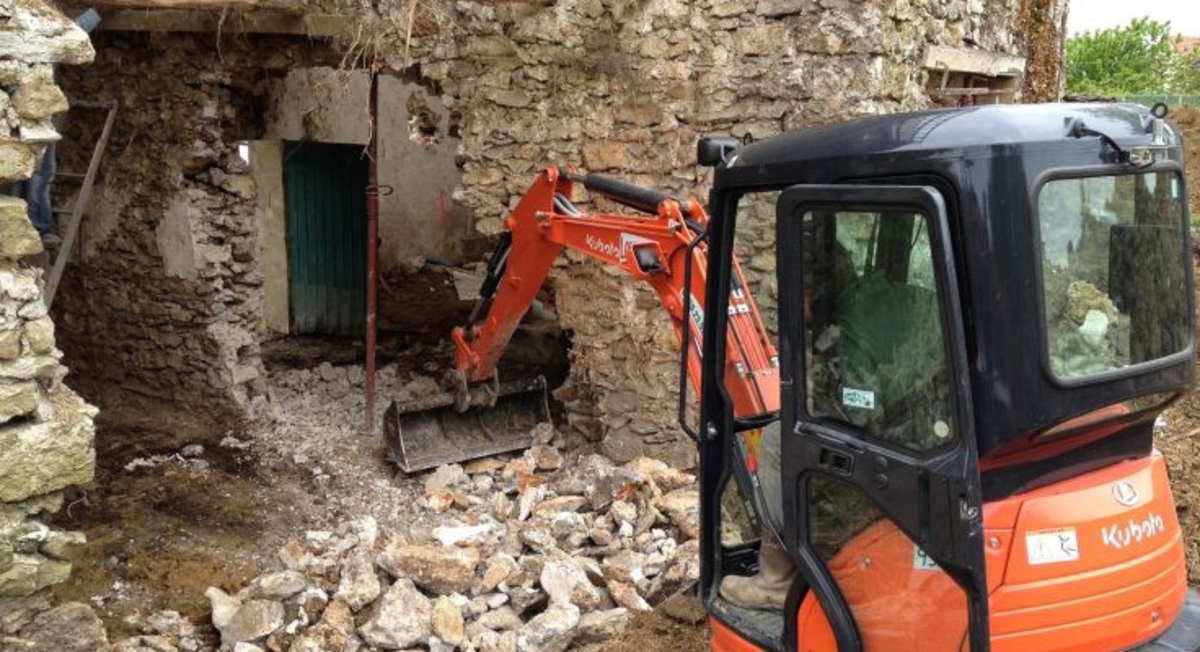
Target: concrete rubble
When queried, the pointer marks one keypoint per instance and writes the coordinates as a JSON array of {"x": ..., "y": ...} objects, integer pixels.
[{"x": 519, "y": 558}]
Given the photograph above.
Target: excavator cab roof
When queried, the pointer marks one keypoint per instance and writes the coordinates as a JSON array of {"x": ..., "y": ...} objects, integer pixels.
[{"x": 1033, "y": 194}]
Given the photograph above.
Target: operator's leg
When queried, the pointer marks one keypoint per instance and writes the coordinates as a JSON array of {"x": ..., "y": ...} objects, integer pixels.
[
  {"x": 769, "y": 588},
  {"x": 37, "y": 195}
]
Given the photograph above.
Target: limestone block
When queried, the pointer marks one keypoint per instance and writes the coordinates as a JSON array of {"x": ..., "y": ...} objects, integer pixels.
[
  {"x": 12, "y": 72},
  {"x": 64, "y": 546},
  {"x": 38, "y": 132},
  {"x": 17, "y": 283},
  {"x": 38, "y": 458},
  {"x": 38, "y": 33},
  {"x": 18, "y": 238},
  {"x": 17, "y": 399},
  {"x": 404, "y": 618},
  {"x": 7, "y": 559},
  {"x": 12, "y": 514},
  {"x": 31, "y": 573},
  {"x": 781, "y": 8},
  {"x": 447, "y": 621},
  {"x": 29, "y": 367},
  {"x": 17, "y": 162},
  {"x": 438, "y": 569},
  {"x": 605, "y": 155},
  {"x": 69, "y": 627},
  {"x": 39, "y": 100},
  {"x": 40, "y": 335},
  {"x": 761, "y": 40},
  {"x": 35, "y": 309},
  {"x": 10, "y": 344}
]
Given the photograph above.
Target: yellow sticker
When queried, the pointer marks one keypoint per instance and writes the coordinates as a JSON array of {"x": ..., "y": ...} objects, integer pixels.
[{"x": 1052, "y": 546}]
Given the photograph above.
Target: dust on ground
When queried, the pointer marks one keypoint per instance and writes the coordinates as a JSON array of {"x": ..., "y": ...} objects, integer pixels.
[
  {"x": 678, "y": 625},
  {"x": 165, "y": 523}
]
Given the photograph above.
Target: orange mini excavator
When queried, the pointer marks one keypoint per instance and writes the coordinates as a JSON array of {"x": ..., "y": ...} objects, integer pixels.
[
  {"x": 981, "y": 314},
  {"x": 664, "y": 246}
]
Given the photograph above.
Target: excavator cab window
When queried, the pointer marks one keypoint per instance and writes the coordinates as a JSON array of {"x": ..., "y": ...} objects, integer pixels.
[
  {"x": 1113, "y": 288},
  {"x": 874, "y": 347}
]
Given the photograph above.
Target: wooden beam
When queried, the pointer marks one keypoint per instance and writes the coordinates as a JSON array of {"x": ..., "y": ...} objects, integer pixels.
[
  {"x": 236, "y": 22},
  {"x": 979, "y": 62}
]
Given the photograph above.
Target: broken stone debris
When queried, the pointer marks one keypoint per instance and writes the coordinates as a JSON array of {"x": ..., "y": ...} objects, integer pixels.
[{"x": 536, "y": 558}]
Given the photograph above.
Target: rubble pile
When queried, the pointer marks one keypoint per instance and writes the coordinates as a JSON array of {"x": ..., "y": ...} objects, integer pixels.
[
  {"x": 536, "y": 553},
  {"x": 329, "y": 396}
]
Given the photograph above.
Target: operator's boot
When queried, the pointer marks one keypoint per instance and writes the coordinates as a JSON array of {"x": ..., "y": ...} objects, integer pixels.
[{"x": 768, "y": 589}]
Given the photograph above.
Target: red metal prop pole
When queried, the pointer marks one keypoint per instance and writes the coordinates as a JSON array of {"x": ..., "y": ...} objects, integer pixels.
[{"x": 372, "y": 253}]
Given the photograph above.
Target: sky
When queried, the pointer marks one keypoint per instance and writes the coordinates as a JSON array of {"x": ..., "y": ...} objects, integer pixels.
[{"x": 1087, "y": 15}]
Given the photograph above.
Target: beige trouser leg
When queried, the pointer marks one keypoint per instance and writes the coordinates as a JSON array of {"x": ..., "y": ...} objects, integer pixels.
[{"x": 768, "y": 589}]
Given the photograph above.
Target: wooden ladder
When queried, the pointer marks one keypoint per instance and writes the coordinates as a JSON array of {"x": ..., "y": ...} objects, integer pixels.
[{"x": 81, "y": 199}]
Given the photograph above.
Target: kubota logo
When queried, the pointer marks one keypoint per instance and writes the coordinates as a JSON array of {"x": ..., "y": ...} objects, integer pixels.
[
  {"x": 609, "y": 249},
  {"x": 1125, "y": 494},
  {"x": 612, "y": 249},
  {"x": 1119, "y": 536}
]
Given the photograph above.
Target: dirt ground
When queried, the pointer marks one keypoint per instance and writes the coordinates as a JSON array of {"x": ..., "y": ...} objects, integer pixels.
[
  {"x": 1178, "y": 439},
  {"x": 159, "y": 536}
]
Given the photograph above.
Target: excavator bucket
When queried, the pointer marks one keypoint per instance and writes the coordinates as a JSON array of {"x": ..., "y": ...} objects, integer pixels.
[{"x": 427, "y": 432}]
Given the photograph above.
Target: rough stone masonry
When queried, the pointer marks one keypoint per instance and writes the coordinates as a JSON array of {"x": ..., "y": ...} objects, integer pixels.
[{"x": 46, "y": 430}]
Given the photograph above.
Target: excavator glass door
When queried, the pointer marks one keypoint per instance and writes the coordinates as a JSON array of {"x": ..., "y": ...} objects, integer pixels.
[{"x": 881, "y": 492}]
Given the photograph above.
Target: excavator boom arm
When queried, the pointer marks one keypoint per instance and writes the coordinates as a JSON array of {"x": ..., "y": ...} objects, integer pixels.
[{"x": 653, "y": 248}]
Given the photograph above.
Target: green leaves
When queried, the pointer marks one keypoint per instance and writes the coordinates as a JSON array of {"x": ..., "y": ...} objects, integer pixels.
[{"x": 1137, "y": 59}]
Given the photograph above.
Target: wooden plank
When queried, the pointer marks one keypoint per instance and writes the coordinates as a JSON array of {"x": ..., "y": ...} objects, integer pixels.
[
  {"x": 81, "y": 201},
  {"x": 234, "y": 22},
  {"x": 979, "y": 62}
]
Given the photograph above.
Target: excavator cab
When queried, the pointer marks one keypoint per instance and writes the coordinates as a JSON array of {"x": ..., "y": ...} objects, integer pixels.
[{"x": 979, "y": 314}]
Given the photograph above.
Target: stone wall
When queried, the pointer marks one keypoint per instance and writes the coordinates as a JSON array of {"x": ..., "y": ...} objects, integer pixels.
[
  {"x": 167, "y": 302},
  {"x": 627, "y": 87},
  {"x": 164, "y": 308},
  {"x": 46, "y": 431}
]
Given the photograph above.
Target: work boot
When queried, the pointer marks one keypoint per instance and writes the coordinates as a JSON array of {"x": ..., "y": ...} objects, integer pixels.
[{"x": 768, "y": 589}]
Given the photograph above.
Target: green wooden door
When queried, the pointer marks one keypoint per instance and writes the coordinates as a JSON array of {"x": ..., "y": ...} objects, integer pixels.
[{"x": 325, "y": 186}]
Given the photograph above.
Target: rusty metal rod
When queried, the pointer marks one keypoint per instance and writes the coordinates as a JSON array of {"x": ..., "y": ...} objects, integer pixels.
[{"x": 372, "y": 253}]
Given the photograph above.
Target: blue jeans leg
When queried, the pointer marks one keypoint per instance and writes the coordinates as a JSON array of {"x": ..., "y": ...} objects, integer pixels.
[{"x": 37, "y": 193}]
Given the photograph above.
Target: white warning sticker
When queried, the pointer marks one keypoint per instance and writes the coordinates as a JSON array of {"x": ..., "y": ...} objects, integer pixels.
[
  {"x": 858, "y": 398},
  {"x": 1052, "y": 546},
  {"x": 922, "y": 561}
]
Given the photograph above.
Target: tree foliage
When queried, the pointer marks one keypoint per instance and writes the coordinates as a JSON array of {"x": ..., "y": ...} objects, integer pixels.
[{"x": 1140, "y": 58}]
